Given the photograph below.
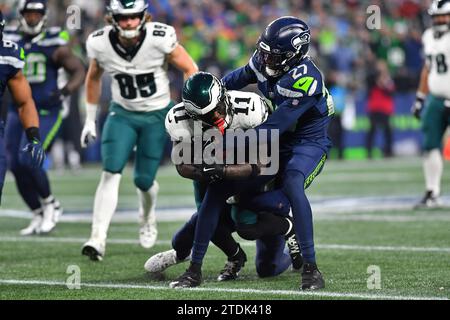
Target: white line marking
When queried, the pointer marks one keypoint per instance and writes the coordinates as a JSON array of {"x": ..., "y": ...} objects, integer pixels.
[
  {"x": 204, "y": 289},
  {"x": 243, "y": 243}
]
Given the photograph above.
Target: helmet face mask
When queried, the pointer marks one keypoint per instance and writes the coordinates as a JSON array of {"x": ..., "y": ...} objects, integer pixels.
[
  {"x": 440, "y": 15},
  {"x": 284, "y": 42},
  {"x": 32, "y": 6},
  {"x": 205, "y": 99},
  {"x": 127, "y": 9}
]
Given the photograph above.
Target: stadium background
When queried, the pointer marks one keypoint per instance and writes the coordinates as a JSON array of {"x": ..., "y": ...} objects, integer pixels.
[{"x": 362, "y": 209}]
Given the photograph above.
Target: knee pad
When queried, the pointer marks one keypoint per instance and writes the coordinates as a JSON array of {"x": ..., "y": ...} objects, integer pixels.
[
  {"x": 248, "y": 231},
  {"x": 143, "y": 181}
]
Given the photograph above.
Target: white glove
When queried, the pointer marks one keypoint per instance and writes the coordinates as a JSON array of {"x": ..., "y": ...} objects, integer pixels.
[{"x": 89, "y": 133}]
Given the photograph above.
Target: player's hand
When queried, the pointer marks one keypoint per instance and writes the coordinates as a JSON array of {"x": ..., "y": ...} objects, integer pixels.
[
  {"x": 212, "y": 173},
  {"x": 417, "y": 107},
  {"x": 33, "y": 154},
  {"x": 89, "y": 133}
]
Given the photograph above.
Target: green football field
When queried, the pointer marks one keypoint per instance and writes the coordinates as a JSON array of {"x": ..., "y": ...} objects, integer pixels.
[{"x": 370, "y": 244}]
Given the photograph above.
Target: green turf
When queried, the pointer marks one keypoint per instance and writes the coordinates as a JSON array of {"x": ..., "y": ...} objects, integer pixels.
[{"x": 404, "y": 272}]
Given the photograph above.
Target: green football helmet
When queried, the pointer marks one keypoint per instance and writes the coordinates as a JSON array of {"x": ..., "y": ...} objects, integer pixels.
[
  {"x": 117, "y": 9},
  {"x": 206, "y": 99}
]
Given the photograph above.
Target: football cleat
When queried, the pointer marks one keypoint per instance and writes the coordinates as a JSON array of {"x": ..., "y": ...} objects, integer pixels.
[
  {"x": 189, "y": 279},
  {"x": 163, "y": 260},
  {"x": 147, "y": 235},
  {"x": 94, "y": 250},
  {"x": 51, "y": 215},
  {"x": 294, "y": 248},
  {"x": 429, "y": 201},
  {"x": 233, "y": 267},
  {"x": 311, "y": 277},
  {"x": 35, "y": 225}
]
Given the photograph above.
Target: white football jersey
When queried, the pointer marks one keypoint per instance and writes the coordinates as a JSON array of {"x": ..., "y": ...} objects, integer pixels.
[
  {"x": 140, "y": 82},
  {"x": 250, "y": 110},
  {"x": 437, "y": 52}
]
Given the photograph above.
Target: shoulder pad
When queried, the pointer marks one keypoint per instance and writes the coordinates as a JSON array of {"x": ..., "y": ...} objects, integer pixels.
[
  {"x": 177, "y": 123},
  {"x": 303, "y": 80},
  {"x": 12, "y": 54},
  {"x": 55, "y": 36}
]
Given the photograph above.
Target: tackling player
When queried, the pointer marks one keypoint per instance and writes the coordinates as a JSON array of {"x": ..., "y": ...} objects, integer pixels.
[{"x": 135, "y": 52}]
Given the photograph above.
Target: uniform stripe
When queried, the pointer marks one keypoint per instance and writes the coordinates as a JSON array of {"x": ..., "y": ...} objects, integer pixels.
[
  {"x": 258, "y": 74},
  {"x": 51, "y": 135},
  {"x": 12, "y": 61},
  {"x": 316, "y": 171}
]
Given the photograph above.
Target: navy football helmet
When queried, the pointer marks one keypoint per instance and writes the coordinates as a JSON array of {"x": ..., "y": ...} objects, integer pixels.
[
  {"x": 39, "y": 6},
  {"x": 2, "y": 25},
  {"x": 283, "y": 44}
]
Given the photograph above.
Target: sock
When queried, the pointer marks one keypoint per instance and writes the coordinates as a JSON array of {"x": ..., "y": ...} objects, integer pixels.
[
  {"x": 302, "y": 213},
  {"x": 105, "y": 204},
  {"x": 183, "y": 239},
  {"x": 223, "y": 239},
  {"x": 433, "y": 167},
  {"x": 147, "y": 204}
]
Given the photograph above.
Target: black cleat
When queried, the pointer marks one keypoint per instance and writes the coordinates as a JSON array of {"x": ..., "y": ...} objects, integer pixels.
[
  {"x": 312, "y": 278},
  {"x": 233, "y": 266},
  {"x": 93, "y": 251},
  {"x": 294, "y": 248},
  {"x": 190, "y": 279},
  {"x": 429, "y": 201}
]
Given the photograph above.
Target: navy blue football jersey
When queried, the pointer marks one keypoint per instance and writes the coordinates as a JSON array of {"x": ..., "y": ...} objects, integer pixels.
[
  {"x": 40, "y": 69},
  {"x": 11, "y": 61}
]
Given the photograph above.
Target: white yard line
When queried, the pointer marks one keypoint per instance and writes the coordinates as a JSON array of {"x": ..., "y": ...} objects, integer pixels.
[
  {"x": 224, "y": 290},
  {"x": 80, "y": 241}
]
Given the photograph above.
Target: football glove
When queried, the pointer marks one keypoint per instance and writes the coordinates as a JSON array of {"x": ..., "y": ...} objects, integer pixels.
[
  {"x": 33, "y": 154},
  {"x": 417, "y": 107},
  {"x": 89, "y": 133},
  {"x": 212, "y": 172}
]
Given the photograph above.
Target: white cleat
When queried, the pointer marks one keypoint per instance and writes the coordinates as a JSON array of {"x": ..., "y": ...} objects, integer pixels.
[
  {"x": 94, "y": 250},
  {"x": 161, "y": 261},
  {"x": 48, "y": 222},
  {"x": 34, "y": 227},
  {"x": 58, "y": 211},
  {"x": 148, "y": 234}
]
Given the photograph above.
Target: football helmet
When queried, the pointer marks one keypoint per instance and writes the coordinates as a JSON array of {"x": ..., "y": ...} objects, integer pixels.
[
  {"x": 39, "y": 6},
  {"x": 206, "y": 99},
  {"x": 2, "y": 25},
  {"x": 120, "y": 8},
  {"x": 438, "y": 9},
  {"x": 283, "y": 43}
]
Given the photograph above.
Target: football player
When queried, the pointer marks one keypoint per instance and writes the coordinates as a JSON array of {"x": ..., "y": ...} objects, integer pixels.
[
  {"x": 294, "y": 86},
  {"x": 135, "y": 52},
  {"x": 432, "y": 103},
  {"x": 11, "y": 76},
  {"x": 46, "y": 52},
  {"x": 206, "y": 100}
]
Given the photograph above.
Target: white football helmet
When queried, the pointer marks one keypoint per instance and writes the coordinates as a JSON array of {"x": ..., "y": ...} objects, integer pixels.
[
  {"x": 440, "y": 8},
  {"x": 118, "y": 8}
]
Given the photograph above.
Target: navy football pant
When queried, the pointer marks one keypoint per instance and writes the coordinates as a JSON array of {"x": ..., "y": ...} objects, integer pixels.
[
  {"x": 2, "y": 159},
  {"x": 32, "y": 183}
]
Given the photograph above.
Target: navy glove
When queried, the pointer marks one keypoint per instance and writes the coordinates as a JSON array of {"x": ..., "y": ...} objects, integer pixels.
[
  {"x": 34, "y": 154},
  {"x": 212, "y": 172}
]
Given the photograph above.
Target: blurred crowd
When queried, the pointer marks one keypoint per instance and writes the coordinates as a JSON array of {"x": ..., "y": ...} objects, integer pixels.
[{"x": 221, "y": 35}]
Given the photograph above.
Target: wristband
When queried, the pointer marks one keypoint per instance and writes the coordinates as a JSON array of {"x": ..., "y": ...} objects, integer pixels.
[
  {"x": 33, "y": 134},
  {"x": 91, "y": 111}
]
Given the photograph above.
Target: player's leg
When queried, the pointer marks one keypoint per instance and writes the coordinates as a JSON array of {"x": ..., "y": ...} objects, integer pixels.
[
  {"x": 13, "y": 137},
  {"x": 305, "y": 164},
  {"x": 118, "y": 140},
  {"x": 434, "y": 124},
  {"x": 49, "y": 125},
  {"x": 150, "y": 145},
  {"x": 2, "y": 159},
  {"x": 271, "y": 260}
]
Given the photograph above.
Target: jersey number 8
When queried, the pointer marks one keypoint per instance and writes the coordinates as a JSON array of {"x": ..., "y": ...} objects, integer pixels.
[{"x": 129, "y": 87}]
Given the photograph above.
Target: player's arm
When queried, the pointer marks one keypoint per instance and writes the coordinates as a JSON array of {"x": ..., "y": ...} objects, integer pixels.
[
  {"x": 21, "y": 93},
  {"x": 93, "y": 86},
  {"x": 422, "y": 92},
  {"x": 241, "y": 77},
  {"x": 181, "y": 60},
  {"x": 64, "y": 57}
]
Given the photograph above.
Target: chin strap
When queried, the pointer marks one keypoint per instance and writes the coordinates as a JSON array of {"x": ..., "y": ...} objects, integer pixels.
[{"x": 221, "y": 125}]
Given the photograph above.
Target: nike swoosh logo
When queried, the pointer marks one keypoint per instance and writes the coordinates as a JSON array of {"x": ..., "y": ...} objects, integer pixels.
[
  {"x": 169, "y": 119},
  {"x": 207, "y": 169}
]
